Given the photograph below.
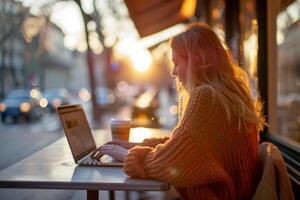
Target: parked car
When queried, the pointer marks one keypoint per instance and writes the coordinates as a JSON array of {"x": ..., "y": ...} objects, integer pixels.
[
  {"x": 56, "y": 97},
  {"x": 22, "y": 103}
]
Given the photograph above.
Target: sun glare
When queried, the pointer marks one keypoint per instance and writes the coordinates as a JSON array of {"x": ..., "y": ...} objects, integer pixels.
[
  {"x": 139, "y": 134},
  {"x": 139, "y": 56},
  {"x": 161, "y": 36},
  {"x": 141, "y": 60}
]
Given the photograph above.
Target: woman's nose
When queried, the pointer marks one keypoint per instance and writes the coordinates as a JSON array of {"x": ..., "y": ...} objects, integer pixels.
[{"x": 174, "y": 72}]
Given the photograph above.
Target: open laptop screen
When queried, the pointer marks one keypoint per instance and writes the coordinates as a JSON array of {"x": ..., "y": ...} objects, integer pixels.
[{"x": 77, "y": 130}]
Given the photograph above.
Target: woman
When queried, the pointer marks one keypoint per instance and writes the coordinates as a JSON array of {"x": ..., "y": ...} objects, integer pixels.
[{"x": 212, "y": 152}]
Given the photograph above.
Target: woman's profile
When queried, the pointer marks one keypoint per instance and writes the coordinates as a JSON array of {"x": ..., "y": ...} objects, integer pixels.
[{"x": 212, "y": 152}]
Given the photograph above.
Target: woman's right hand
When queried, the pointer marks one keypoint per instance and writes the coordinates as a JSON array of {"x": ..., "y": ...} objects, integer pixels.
[{"x": 123, "y": 143}]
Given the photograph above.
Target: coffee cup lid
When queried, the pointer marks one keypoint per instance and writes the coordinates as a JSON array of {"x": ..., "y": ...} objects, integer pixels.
[{"x": 120, "y": 121}]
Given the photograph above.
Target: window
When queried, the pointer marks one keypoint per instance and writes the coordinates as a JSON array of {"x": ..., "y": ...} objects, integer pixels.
[{"x": 288, "y": 73}]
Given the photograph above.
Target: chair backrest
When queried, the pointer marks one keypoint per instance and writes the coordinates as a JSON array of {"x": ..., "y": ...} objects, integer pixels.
[{"x": 274, "y": 183}]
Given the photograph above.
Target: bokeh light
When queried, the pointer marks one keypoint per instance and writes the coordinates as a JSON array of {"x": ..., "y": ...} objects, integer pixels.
[
  {"x": 43, "y": 103},
  {"x": 84, "y": 94}
]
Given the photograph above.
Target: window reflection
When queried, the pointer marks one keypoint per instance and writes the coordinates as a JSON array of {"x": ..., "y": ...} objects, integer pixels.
[
  {"x": 217, "y": 17},
  {"x": 288, "y": 73},
  {"x": 249, "y": 43}
]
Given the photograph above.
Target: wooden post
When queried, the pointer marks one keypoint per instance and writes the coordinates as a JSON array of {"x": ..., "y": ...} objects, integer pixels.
[
  {"x": 232, "y": 27},
  {"x": 92, "y": 195}
]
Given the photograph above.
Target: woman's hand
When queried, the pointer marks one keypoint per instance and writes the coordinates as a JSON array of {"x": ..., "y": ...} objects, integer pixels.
[
  {"x": 115, "y": 151},
  {"x": 123, "y": 143}
]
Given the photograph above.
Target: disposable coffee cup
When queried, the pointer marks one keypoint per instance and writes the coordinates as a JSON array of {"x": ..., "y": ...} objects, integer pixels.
[{"x": 120, "y": 128}]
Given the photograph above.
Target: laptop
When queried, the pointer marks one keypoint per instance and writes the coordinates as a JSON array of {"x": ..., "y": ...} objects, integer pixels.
[{"x": 80, "y": 138}]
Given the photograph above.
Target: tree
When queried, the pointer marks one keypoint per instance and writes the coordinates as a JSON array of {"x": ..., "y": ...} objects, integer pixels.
[
  {"x": 89, "y": 58},
  {"x": 96, "y": 17}
]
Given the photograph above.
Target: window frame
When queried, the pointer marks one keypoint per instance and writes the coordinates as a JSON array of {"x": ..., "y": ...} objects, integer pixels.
[{"x": 267, "y": 11}]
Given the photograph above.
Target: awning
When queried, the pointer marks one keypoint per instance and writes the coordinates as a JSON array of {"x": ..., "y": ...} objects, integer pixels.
[{"x": 152, "y": 16}]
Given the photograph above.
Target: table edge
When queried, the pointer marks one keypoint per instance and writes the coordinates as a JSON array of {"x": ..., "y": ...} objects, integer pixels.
[{"x": 82, "y": 186}]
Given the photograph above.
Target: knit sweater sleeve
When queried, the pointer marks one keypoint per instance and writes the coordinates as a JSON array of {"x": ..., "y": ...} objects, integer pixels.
[
  {"x": 179, "y": 161},
  {"x": 152, "y": 142}
]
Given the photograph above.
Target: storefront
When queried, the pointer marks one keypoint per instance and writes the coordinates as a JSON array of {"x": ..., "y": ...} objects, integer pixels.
[{"x": 264, "y": 38}]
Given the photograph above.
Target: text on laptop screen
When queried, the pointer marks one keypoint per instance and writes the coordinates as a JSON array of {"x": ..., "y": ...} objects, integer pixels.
[{"x": 78, "y": 131}]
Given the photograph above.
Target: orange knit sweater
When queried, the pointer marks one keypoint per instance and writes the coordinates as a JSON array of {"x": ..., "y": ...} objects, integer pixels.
[{"x": 206, "y": 156}]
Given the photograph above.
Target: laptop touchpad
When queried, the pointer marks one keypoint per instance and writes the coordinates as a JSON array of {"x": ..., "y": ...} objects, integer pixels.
[{"x": 108, "y": 159}]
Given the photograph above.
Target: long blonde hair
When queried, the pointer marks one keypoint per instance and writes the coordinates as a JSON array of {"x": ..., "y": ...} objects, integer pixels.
[{"x": 209, "y": 64}]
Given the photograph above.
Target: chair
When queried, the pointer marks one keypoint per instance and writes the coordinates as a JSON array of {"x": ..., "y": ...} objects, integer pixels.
[{"x": 274, "y": 183}]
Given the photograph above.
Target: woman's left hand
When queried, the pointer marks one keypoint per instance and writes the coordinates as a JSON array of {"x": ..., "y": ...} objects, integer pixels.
[{"x": 115, "y": 151}]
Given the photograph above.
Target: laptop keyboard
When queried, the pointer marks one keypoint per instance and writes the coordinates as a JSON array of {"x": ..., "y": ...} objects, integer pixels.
[{"x": 89, "y": 161}]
